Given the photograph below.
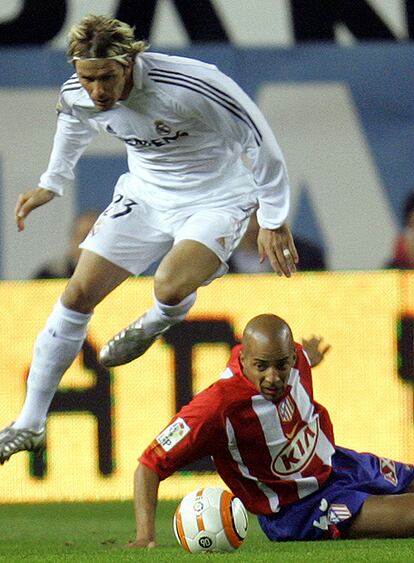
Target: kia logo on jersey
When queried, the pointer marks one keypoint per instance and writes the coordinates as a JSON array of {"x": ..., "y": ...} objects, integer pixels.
[{"x": 297, "y": 454}]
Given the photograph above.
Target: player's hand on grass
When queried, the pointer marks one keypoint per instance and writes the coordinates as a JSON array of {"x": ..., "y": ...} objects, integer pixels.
[
  {"x": 140, "y": 543},
  {"x": 278, "y": 246},
  {"x": 315, "y": 348},
  {"x": 28, "y": 201}
]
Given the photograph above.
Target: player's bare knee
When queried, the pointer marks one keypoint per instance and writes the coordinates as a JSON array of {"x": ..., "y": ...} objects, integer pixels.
[
  {"x": 77, "y": 298},
  {"x": 169, "y": 296},
  {"x": 169, "y": 289}
]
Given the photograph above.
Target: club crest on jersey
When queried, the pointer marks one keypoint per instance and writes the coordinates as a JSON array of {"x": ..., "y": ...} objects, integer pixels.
[
  {"x": 298, "y": 453},
  {"x": 162, "y": 128},
  {"x": 389, "y": 471},
  {"x": 286, "y": 409},
  {"x": 173, "y": 434}
]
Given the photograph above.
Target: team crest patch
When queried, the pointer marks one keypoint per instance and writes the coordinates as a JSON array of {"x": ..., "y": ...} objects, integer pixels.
[
  {"x": 286, "y": 409},
  {"x": 338, "y": 513},
  {"x": 162, "y": 128},
  {"x": 173, "y": 434},
  {"x": 389, "y": 471}
]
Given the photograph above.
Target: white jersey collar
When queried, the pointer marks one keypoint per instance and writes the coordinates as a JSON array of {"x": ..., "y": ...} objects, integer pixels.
[{"x": 137, "y": 72}]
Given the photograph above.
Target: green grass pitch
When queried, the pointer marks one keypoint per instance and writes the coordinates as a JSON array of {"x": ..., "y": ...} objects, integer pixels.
[{"x": 87, "y": 532}]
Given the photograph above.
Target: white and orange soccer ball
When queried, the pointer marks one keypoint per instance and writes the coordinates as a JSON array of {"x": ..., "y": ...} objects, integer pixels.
[{"x": 210, "y": 519}]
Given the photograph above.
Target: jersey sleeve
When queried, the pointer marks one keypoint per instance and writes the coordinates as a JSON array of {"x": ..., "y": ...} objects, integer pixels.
[
  {"x": 72, "y": 137},
  {"x": 190, "y": 435},
  {"x": 231, "y": 112}
]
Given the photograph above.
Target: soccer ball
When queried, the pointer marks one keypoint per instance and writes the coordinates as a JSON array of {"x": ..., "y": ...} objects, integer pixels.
[{"x": 210, "y": 519}]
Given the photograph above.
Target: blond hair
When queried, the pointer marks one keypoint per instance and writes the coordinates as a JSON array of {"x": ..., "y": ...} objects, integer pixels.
[{"x": 102, "y": 37}]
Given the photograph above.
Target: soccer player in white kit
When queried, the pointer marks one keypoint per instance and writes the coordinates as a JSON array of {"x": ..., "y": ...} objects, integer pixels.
[{"x": 187, "y": 197}]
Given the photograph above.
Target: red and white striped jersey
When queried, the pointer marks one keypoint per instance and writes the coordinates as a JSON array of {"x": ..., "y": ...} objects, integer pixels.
[{"x": 269, "y": 454}]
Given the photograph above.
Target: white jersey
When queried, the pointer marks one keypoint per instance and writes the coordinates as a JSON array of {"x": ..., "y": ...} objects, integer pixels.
[{"x": 185, "y": 126}]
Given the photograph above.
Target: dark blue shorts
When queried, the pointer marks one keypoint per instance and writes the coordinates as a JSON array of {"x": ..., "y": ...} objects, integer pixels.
[{"x": 327, "y": 513}]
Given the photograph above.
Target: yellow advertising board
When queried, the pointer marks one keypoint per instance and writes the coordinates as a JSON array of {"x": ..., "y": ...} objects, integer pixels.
[{"x": 101, "y": 421}]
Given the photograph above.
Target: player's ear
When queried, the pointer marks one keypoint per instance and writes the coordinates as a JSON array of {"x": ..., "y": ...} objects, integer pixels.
[
  {"x": 127, "y": 68},
  {"x": 242, "y": 358}
]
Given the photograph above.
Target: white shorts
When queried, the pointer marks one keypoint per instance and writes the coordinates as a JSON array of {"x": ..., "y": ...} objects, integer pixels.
[{"x": 133, "y": 235}]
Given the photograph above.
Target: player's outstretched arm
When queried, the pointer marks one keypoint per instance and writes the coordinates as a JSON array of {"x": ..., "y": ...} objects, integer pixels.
[
  {"x": 315, "y": 349},
  {"x": 146, "y": 483},
  {"x": 28, "y": 201}
]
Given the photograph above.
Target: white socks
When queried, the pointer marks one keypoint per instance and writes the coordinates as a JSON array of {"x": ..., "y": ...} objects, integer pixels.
[
  {"x": 162, "y": 316},
  {"x": 55, "y": 349},
  {"x": 60, "y": 342}
]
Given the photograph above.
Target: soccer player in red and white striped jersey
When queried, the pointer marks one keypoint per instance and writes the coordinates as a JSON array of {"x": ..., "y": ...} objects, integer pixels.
[{"x": 273, "y": 445}]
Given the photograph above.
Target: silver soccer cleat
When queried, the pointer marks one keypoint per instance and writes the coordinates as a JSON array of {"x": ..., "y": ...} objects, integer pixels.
[
  {"x": 14, "y": 440},
  {"x": 127, "y": 345}
]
